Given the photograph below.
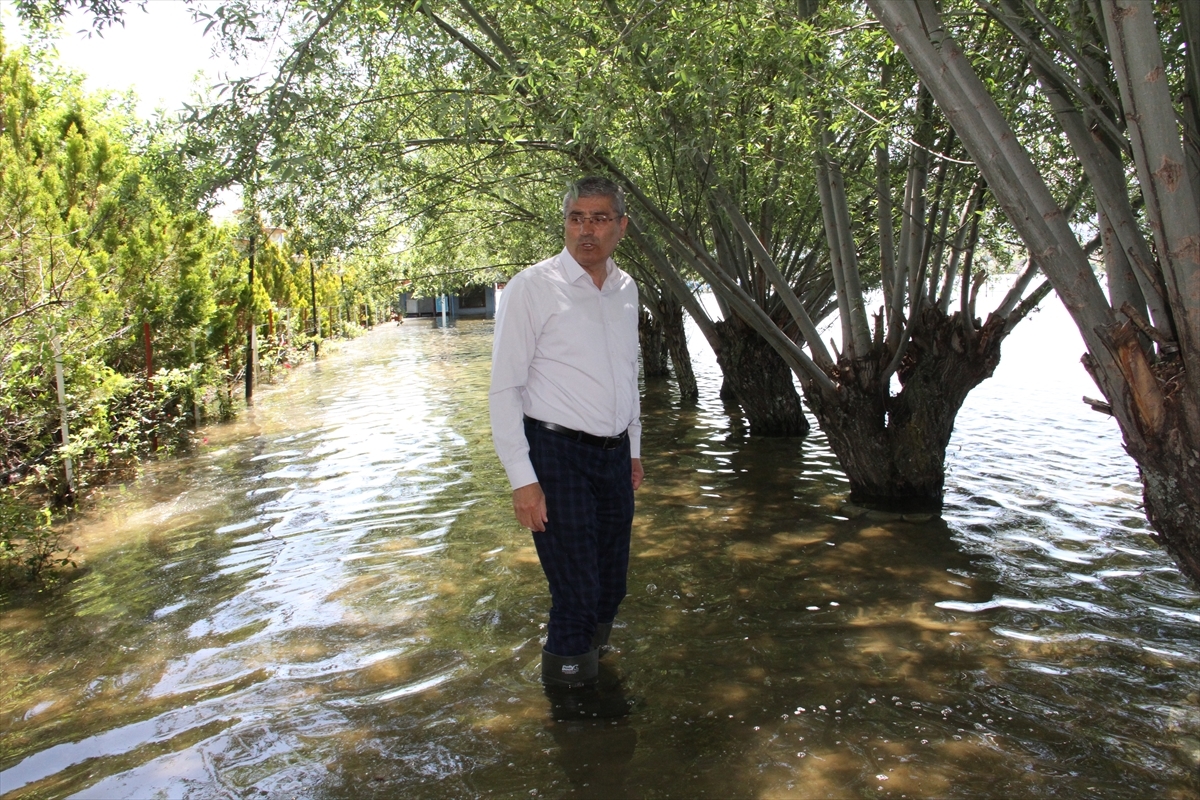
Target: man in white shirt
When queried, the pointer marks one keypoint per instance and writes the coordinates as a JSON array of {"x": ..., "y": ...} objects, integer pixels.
[{"x": 565, "y": 423}]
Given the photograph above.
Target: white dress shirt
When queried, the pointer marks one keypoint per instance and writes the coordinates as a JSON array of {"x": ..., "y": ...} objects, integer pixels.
[{"x": 564, "y": 352}]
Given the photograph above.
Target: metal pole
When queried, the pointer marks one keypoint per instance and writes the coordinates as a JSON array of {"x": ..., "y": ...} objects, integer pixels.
[
  {"x": 312, "y": 283},
  {"x": 147, "y": 336},
  {"x": 149, "y": 345},
  {"x": 251, "y": 333},
  {"x": 62, "y": 412},
  {"x": 195, "y": 394},
  {"x": 346, "y": 300}
]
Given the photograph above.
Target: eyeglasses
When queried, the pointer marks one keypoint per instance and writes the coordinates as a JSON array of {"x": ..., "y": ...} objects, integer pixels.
[{"x": 598, "y": 220}]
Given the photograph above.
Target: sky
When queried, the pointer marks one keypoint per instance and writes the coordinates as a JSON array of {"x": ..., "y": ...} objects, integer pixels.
[
  {"x": 160, "y": 53},
  {"x": 157, "y": 52}
]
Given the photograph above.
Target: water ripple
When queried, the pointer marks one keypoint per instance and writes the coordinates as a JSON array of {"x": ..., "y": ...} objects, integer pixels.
[{"x": 333, "y": 600}]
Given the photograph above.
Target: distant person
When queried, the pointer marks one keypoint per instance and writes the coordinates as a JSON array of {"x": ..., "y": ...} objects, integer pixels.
[{"x": 565, "y": 423}]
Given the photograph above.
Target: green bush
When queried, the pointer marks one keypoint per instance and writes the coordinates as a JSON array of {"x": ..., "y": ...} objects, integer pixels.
[{"x": 30, "y": 549}]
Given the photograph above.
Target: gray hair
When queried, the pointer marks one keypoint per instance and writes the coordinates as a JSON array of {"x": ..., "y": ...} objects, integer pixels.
[{"x": 595, "y": 186}]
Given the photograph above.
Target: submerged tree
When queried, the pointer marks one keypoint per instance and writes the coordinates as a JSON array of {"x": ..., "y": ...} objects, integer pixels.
[
  {"x": 907, "y": 232},
  {"x": 1103, "y": 69}
]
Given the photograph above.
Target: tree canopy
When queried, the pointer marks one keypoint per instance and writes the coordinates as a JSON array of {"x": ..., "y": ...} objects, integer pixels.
[{"x": 124, "y": 310}]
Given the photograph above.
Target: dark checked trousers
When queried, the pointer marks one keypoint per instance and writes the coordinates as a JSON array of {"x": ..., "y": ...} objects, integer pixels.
[{"x": 585, "y": 548}]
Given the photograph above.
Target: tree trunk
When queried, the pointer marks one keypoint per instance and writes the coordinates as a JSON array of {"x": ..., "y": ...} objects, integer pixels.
[
  {"x": 727, "y": 394},
  {"x": 655, "y": 363},
  {"x": 671, "y": 313},
  {"x": 1172, "y": 501},
  {"x": 1153, "y": 413},
  {"x": 1155, "y": 402},
  {"x": 761, "y": 380},
  {"x": 893, "y": 449}
]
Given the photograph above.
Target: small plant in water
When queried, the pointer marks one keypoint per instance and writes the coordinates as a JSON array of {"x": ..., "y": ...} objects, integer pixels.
[{"x": 29, "y": 546}]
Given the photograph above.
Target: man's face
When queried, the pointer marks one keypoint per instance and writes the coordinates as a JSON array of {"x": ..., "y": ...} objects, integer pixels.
[{"x": 591, "y": 243}]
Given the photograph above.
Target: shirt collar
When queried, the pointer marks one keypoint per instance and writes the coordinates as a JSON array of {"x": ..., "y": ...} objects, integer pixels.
[{"x": 574, "y": 272}]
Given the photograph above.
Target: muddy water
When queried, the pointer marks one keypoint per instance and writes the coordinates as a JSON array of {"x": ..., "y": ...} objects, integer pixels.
[{"x": 331, "y": 600}]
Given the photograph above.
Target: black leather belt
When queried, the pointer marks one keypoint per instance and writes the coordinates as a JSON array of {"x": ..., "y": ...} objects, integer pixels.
[{"x": 606, "y": 442}]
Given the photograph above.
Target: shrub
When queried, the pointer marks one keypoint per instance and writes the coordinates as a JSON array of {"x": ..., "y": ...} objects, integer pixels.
[{"x": 30, "y": 548}]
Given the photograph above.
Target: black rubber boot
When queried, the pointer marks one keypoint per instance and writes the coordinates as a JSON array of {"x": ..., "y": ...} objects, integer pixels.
[
  {"x": 569, "y": 672},
  {"x": 573, "y": 687},
  {"x": 600, "y": 638}
]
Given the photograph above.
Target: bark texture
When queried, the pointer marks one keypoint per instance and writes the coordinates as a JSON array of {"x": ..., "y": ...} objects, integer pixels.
[
  {"x": 1173, "y": 502},
  {"x": 761, "y": 381},
  {"x": 893, "y": 449},
  {"x": 671, "y": 313},
  {"x": 1152, "y": 406},
  {"x": 655, "y": 361}
]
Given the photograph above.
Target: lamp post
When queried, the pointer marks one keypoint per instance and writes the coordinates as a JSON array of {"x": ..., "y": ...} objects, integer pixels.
[
  {"x": 252, "y": 329},
  {"x": 312, "y": 284}
]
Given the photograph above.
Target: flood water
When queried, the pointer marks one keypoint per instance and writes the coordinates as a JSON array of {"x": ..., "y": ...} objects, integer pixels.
[{"x": 330, "y": 599}]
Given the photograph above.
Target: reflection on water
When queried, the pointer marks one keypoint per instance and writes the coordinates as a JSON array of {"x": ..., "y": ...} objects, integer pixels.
[{"x": 332, "y": 600}]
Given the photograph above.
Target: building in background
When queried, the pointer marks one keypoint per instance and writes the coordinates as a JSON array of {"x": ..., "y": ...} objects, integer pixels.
[{"x": 477, "y": 302}]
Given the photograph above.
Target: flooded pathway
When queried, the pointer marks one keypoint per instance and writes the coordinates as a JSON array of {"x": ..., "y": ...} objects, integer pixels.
[{"x": 332, "y": 600}]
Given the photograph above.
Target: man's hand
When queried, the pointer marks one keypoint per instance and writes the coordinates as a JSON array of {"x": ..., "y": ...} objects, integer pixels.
[
  {"x": 529, "y": 504},
  {"x": 638, "y": 473}
]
